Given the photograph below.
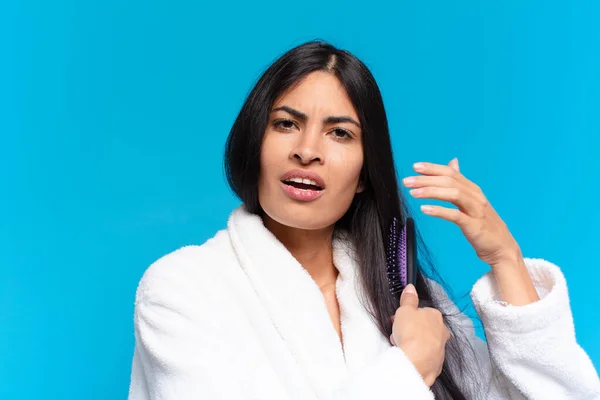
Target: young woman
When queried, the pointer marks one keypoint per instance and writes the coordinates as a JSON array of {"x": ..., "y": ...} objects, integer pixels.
[{"x": 291, "y": 301}]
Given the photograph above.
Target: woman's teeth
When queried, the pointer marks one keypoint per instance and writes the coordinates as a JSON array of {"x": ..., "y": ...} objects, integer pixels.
[
  {"x": 301, "y": 183},
  {"x": 305, "y": 181}
]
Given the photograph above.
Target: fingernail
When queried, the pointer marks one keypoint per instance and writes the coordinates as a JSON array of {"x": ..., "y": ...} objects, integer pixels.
[
  {"x": 416, "y": 192},
  {"x": 426, "y": 209},
  {"x": 409, "y": 181},
  {"x": 419, "y": 166},
  {"x": 410, "y": 289}
]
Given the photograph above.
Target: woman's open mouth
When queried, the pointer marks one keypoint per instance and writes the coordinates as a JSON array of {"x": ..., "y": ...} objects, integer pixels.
[
  {"x": 301, "y": 183},
  {"x": 302, "y": 189}
]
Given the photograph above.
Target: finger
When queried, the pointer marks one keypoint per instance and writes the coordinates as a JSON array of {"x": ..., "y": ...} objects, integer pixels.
[
  {"x": 463, "y": 199},
  {"x": 417, "y": 182},
  {"x": 420, "y": 181},
  {"x": 449, "y": 214},
  {"x": 434, "y": 180},
  {"x": 409, "y": 297},
  {"x": 426, "y": 168},
  {"x": 454, "y": 164}
]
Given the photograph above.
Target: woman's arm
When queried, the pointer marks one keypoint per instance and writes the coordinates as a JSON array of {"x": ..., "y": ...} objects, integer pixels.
[{"x": 531, "y": 350}]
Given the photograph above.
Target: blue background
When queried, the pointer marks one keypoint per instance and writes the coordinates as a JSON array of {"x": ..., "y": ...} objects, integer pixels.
[{"x": 113, "y": 117}]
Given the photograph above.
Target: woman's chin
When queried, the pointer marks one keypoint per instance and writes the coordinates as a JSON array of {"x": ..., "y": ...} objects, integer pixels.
[{"x": 303, "y": 218}]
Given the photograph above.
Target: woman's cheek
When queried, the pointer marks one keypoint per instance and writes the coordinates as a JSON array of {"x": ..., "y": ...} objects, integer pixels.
[{"x": 348, "y": 166}]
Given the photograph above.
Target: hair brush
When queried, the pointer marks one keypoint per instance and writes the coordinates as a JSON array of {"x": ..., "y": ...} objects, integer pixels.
[{"x": 401, "y": 255}]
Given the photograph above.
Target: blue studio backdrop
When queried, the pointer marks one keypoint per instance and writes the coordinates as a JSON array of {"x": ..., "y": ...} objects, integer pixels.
[{"x": 113, "y": 118}]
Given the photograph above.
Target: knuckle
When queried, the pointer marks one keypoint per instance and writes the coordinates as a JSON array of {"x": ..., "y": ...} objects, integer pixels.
[
  {"x": 455, "y": 193},
  {"x": 447, "y": 334},
  {"x": 440, "y": 317},
  {"x": 430, "y": 310},
  {"x": 455, "y": 215},
  {"x": 484, "y": 201}
]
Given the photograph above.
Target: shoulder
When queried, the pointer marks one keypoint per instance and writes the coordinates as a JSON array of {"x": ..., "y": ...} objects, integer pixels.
[{"x": 185, "y": 271}]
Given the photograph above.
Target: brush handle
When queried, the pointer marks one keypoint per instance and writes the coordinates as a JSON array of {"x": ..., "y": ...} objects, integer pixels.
[{"x": 411, "y": 252}]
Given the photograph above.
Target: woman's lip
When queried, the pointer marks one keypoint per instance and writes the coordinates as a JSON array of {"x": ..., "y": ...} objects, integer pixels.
[
  {"x": 301, "y": 194},
  {"x": 304, "y": 174}
]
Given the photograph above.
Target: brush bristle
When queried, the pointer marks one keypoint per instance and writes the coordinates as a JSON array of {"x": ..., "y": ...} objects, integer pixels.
[{"x": 396, "y": 257}]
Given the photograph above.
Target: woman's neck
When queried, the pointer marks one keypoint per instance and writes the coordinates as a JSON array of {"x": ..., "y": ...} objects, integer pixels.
[{"x": 312, "y": 249}]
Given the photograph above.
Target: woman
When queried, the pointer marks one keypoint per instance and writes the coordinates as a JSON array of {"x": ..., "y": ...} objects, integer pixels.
[{"x": 291, "y": 300}]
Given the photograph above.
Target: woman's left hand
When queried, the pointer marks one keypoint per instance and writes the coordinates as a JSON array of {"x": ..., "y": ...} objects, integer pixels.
[{"x": 477, "y": 219}]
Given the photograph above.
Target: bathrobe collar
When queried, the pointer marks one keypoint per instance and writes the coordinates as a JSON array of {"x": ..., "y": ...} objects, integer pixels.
[{"x": 297, "y": 306}]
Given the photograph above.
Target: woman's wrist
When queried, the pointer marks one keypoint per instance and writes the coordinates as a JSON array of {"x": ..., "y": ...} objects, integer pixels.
[{"x": 514, "y": 282}]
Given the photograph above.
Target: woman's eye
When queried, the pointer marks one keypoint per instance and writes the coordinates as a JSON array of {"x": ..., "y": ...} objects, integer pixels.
[
  {"x": 340, "y": 133},
  {"x": 284, "y": 124}
]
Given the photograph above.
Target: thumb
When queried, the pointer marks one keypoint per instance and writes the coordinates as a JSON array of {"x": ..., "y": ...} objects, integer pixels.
[{"x": 409, "y": 297}]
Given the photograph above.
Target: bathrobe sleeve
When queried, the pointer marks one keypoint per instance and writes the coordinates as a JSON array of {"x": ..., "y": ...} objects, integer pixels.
[{"x": 531, "y": 351}]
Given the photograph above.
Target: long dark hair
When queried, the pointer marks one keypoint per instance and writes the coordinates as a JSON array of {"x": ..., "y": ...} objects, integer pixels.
[{"x": 371, "y": 211}]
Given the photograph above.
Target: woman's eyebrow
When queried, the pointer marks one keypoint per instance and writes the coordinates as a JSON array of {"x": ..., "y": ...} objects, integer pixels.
[
  {"x": 340, "y": 120},
  {"x": 329, "y": 120},
  {"x": 301, "y": 116}
]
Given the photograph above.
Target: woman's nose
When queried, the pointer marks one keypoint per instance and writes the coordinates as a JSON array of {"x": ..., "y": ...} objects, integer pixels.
[{"x": 308, "y": 149}]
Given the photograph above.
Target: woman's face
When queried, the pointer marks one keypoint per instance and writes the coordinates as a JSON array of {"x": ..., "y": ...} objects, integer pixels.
[{"x": 311, "y": 155}]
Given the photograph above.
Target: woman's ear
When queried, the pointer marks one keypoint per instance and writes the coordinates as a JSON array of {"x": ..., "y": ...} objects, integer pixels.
[
  {"x": 361, "y": 187},
  {"x": 361, "y": 181}
]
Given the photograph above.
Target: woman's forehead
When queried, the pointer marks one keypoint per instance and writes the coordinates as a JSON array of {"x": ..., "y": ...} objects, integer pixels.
[{"x": 318, "y": 93}]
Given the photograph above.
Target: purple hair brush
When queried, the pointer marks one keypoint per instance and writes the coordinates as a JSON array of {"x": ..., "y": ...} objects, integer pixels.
[{"x": 401, "y": 254}]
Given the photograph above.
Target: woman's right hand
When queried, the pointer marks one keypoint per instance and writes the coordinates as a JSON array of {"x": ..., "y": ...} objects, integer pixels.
[{"x": 421, "y": 334}]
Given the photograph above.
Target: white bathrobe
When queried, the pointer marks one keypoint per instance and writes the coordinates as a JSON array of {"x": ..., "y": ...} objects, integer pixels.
[{"x": 239, "y": 318}]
